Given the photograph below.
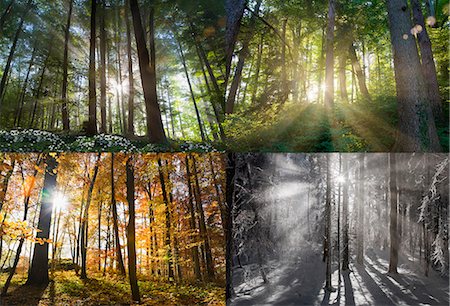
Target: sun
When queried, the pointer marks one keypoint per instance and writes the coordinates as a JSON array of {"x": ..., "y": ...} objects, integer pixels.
[
  {"x": 340, "y": 179},
  {"x": 59, "y": 200}
]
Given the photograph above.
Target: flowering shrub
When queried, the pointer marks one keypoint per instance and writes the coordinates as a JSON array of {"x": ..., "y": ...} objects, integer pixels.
[
  {"x": 197, "y": 147},
  {"x": 103, "y": 142},
  {"x": 30, "y": 140}
]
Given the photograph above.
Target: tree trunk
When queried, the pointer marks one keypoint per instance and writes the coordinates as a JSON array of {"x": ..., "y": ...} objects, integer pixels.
[
  {"x": 91, "y": 128},
  {"x": 428, "y": 67},
  {"x": 38, "y": 271},
  {"x": 131, "y": 235},
  {"x": 102, "y": 68},
  {"x": 359, "y": 73},
  {"x": 230, "y": 180},
  {"x": 24, "y": 88},
  {"x": 258, "y": 68},
  {"x": 243, "y": 54},
  {"x": 328, "y": 285},
  {"x": 329, "y": 58},
  {"x": 345, "y": 251},
  {"x": 393, "y": 258},
  {"x": 115, "y": 220},
  {"x": 64, "y": 110},
  {"x": 168, "y": 222},
  {"x": 26, "y": 202},
  {"x": 130, "y": 128},
  {"x": 416, "y": 127},
  {"x": 194, "y": 249},
  {"x": 197, "y": 113},
  {"x": 155, "y": 129},
  {"x": 234, "y": 11},
  {"x": 37, "y": 93},
  {"x": 361, "y": 209},
  {"x": 202, "y": 224},
  {"x": 5, "y": 14},
  {"x": 12, "y": 51},
  {"x": 85, "y": 220}
]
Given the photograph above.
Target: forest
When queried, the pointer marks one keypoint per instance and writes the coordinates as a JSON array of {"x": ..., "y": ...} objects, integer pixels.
[
  {"x": 310, "y": 76},
  {"x": 148, "y": 70},
  {"x": 112, "y": 229},
  {"x": 340, "y": 229},
  {"x": 331, "y": 75}
]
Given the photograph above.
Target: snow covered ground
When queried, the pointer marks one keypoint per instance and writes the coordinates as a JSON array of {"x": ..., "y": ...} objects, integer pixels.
[{"x": 299, "y": 277}]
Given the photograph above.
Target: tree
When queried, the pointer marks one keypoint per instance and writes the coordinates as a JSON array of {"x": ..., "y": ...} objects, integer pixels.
[
  {"x": 115, "y": 220},
  {"x": 393, "y": 189},
  {"x": 192, "y": 222},
  {"x": 131, "y": 232},
  {"x": 64, "y": 109},
  {"x": 329, "y": 59},
  {"x": 92, "y": 122},
  {"x": 361, "y": 211},
  {"x": 85, "y": 219},
  {"x": 13, "y": 50},
  {"x": 428, "y": 66},
  {"x": 155, "y": 129},
  {"x": 345, "y": 221},
  {"x": 328, "y": 257},
  {"x": 38, "y": 272},
  {"x": 102, "y": 68},
  {"x": 416, "y": 128},
  {"x": 167, "y": 204}
]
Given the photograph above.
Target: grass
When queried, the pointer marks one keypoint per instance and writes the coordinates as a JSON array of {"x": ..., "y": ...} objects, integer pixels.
[{"x": 67, "y": 288}]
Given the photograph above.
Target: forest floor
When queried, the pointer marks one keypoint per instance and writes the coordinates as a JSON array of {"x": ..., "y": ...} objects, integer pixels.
[
  {"x": 357, "y": 127},
  {"x": 300, "y": 277},
  {"x": 67, "y": 288}
]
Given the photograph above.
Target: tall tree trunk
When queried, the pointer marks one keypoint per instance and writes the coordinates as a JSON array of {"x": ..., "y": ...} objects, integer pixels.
[
  {"x": 131, "y": 232},
  {"x": 346, "y": 247},
  {"x": 37, "y": 92},
  {"x": 194, "y": 249},
  {"x": 102, "y": 68},
  {"x": 284, "y": 80},
  {"x": 202, "y": 224},
  {"x": 91, "y": 128},
  {"x": 258, "y": 68},
  {"x": 38, "y": 272},
  {"x": 428, "y": 67},
  {"x": 85, "y": 220},
  {"x": 64, "y": 110},
  {"x": 26, "y": 202},
  {"x": 115, "y": 220},
  {"x": 359, "y": 73},
  {"x": 167, "y": 203},
  {"x": 230, "y": 169},
  {"x": 130, "y": 128},
  {"x": 155, "y": 129},
  {"x": 197, "y": 113},
  {"x": 235, "y": 11},
  {"x": 12, "y": 51},
  {"x": 361, "y": 206},
  {"x": 329, "y": 58},
  {"x": 393, "y": 258},
  {"x": 5, "y": 14},
  {"x": 328, "y": 285},
  {"x": 416, "y": 127},
  {"x": 24, "y": 88},
  {"x": 243, "y": 54}
]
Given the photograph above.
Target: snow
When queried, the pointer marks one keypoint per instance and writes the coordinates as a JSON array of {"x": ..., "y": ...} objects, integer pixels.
[{"x": 299, "y": 277}]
